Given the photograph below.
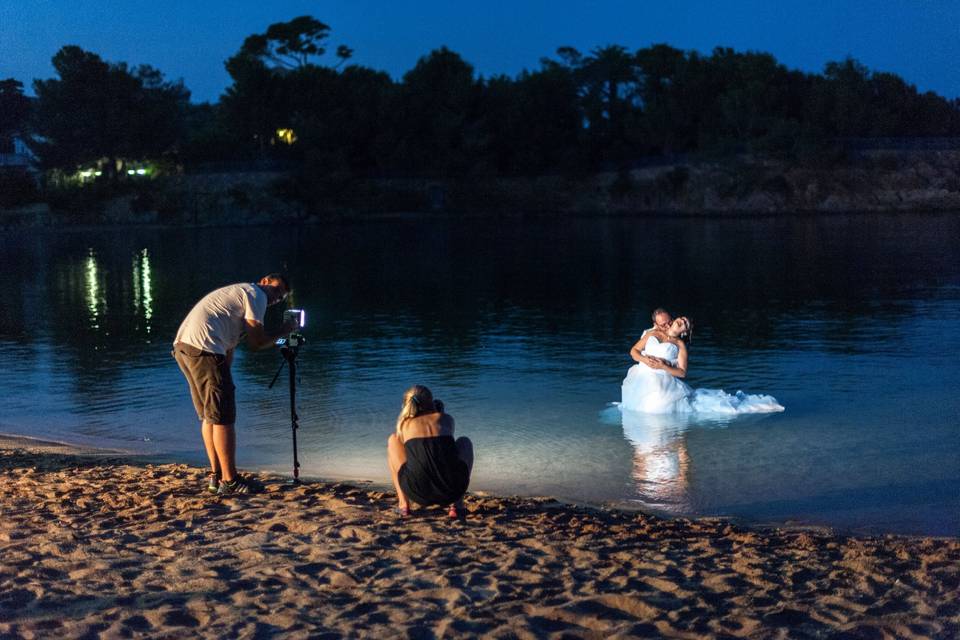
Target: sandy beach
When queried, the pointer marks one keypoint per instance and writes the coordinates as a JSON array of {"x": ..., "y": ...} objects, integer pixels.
[{"x": 101, "y": 545}]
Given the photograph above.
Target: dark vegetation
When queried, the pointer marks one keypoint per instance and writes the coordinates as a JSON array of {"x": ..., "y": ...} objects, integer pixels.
[{"x": 295, "y": 105}]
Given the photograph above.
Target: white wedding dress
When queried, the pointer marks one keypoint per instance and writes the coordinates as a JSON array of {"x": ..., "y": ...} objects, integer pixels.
[{"x": 647, "y": 390}]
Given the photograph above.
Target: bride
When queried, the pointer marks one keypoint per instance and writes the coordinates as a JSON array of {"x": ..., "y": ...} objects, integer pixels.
[{"x": 654, "y": 384}]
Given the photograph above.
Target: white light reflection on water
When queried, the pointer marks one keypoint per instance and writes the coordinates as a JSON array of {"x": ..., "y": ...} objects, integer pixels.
[
  {"x": 94, "y": 297},
  {"x": 137, "y": 292},
  {"x": 143, "y": 287},
  {"x": 661, "y": 462},
  {"x": 661, "y": 459}
]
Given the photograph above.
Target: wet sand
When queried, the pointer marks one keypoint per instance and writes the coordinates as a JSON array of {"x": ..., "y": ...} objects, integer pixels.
[{"x": 101, "y": 545}]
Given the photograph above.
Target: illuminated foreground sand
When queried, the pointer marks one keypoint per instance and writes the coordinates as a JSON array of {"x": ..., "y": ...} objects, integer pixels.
[{"x": 100, "y": 546}]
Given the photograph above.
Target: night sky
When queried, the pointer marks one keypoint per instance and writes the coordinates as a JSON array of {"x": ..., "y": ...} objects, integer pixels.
[{"x": 190, "y": 39}]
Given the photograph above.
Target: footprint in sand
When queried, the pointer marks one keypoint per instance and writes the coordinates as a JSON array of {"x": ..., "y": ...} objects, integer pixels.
[
  {"x": 180, "y": 619},
  {"x": 354, "y": 533},
  {"x": 137, "y": 623}
]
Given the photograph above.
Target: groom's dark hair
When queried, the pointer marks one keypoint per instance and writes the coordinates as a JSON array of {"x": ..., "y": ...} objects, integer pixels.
[
  {"x": 282, "y": 277},
  {"x": 656, "y": 312}
]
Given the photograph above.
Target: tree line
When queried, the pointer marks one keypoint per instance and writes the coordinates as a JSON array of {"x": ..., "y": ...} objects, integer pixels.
[{"x": 294, "y": 101}]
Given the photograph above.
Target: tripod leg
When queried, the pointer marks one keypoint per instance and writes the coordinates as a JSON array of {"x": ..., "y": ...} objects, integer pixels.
[
  {"x": 294, "y": 425},
  {"x": 276, "y": 375}
]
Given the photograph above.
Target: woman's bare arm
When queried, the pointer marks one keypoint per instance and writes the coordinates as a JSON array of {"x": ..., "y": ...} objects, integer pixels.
[{"x": 678, "y": 371}]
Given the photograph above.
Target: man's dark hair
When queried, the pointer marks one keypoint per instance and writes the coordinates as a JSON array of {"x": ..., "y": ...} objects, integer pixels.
[
  {"x": 281, "y": 277},
  {"x": 656, "y": 312}
]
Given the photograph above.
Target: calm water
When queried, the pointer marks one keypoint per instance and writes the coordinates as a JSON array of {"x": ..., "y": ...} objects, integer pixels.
[{"x": 523, "y": 329}]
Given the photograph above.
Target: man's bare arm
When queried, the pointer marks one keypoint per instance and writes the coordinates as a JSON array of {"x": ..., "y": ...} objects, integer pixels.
[{"x": 258, "y": 338}]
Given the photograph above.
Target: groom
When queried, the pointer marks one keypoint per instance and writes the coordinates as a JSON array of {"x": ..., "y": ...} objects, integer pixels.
[{"x": 661, "y": 320}]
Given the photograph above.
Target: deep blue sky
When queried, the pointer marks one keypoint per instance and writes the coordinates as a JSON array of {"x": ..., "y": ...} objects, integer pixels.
[{"x": 190, "y": 39}]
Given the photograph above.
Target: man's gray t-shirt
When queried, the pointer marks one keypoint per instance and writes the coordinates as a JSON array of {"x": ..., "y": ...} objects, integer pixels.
[{"x": 218, "y": 321}]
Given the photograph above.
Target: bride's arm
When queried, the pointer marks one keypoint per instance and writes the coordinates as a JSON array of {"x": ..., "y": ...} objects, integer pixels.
[{"x": 679, "y": 371}]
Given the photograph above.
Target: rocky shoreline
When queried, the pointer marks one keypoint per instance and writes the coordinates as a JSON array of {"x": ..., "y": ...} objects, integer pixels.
[{"x": 876, "y": 182}]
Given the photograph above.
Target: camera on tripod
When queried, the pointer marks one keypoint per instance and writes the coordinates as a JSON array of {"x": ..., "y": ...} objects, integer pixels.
[
  {"x": 294, "y": 338},
  {"x": 289, "y": 348}
]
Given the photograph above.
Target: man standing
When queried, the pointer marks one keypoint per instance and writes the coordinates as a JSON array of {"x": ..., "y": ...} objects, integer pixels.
[
  {"x": 204, "y": 348},
  {"x": 661, "y": 320}
]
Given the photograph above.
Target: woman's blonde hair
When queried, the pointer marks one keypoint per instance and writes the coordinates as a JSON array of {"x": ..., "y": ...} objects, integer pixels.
[{"x": 416, "y": 400}]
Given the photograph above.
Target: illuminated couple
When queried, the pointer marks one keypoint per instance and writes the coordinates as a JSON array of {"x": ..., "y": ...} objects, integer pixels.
[
  {"x": 654, "y": 385},
  {"x": 657, "y": 407}
]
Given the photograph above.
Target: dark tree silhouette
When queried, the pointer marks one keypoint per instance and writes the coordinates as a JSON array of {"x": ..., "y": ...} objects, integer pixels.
[
  {"x": 274, "y": 76},
  {"x": 436, "y": 113},
  {"x": 255, "y": 105},
  {"x": 531, "y": 125},
  {"x": 17, "y": 185},
  {"x": 292, "y": 44},
  {"x": 14, "y": 108},
  {"x": 582, "y": 112},
  {"x": 101, "y": 111},
  {"x": 577, "y": 113}
]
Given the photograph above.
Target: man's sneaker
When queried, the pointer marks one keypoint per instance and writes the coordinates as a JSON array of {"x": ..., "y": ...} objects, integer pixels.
[
  {"x": 213, "y": 482},
  {"x": 238, "y": 486}
]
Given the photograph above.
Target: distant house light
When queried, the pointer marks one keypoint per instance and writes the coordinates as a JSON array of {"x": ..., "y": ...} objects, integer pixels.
[
  {"x": 132, "y": 169},
  {"x": 287, "y": 136}
]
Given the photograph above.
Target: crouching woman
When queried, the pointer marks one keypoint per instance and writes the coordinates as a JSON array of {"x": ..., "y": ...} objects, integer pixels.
[{"x": 427, "y": 465}]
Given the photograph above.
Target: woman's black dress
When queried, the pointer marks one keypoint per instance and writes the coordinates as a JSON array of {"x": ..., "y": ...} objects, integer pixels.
[{"x": 433, "y": 472}]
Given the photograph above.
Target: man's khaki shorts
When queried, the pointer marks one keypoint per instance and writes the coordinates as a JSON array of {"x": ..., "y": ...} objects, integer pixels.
[{"x": 211, "y": 385}]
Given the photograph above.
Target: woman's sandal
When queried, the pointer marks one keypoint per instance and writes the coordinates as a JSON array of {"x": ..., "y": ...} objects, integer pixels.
[
  {"x": 403, "y": 512},
  {"x": 455, "y": 512}
]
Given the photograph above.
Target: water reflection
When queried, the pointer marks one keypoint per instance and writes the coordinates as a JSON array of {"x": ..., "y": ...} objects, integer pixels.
[
  {"x": 143, "y": 287},
  {"x": 662, "y": 462},
  {"x": 94, "y": 296}
]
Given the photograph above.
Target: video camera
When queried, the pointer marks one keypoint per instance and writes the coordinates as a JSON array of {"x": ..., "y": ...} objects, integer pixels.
[{"x": 294, "y": 338}]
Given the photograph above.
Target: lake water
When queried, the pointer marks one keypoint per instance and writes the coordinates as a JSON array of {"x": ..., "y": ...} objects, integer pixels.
[{"x": 523, "y": 329}]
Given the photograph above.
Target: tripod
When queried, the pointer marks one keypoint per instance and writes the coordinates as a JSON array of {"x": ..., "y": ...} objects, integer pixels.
[{"x": 289, "y": 347}]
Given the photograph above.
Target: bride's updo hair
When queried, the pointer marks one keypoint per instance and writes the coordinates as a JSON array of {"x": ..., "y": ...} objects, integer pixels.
[{"x": 417, "y": 400}]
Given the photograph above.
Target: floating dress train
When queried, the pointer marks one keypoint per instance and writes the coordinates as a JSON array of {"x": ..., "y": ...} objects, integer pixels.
[{"x": 647, "y": 390}]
